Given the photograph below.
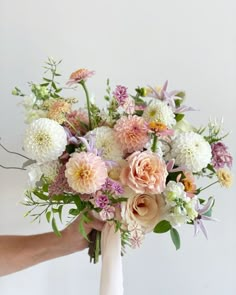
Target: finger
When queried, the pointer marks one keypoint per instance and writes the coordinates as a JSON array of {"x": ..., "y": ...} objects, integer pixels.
[{"x": 97, "y": 224}]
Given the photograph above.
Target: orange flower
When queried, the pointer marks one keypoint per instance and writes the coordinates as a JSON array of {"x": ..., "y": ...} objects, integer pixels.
[{"x": 189, "y": 185}]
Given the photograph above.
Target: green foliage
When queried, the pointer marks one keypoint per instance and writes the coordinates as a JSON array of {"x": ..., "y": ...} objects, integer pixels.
[
  {"x": 54, "y": 227},
  {"x": 162, "y": 227},
  {"x": 175, "y": 238}
]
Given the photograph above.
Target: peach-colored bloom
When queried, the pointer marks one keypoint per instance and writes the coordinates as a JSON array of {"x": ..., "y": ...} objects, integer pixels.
[
  {"x": 86, "y": 172},
  {"x": 80, "y": 75},
  {"x": 146, "y": 210},
  {"x": 58, "y": 109},
  {"x": 145, "y": 173},
  {"x": 132, "y": 133},
  {"x": 189, "y": 184},
  {"x": 77, "y": 121}
]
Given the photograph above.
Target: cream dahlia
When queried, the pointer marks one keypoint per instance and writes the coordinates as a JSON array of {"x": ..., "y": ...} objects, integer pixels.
[
  {"x": 191, "y": 150},
  {"x": 86, "y": 172},
  {"x": 45, "y": 140},
  {"x": 104, "y": 141},
  {"x": 160, "y": 112},
  {"x": 131, "y": 133}
]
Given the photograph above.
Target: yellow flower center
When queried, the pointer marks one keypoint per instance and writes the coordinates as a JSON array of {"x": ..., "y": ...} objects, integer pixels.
[{"x": 43, "y": 139}]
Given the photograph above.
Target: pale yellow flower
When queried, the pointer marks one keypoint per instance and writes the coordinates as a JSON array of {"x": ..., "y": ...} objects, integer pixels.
[{"x": 225, "y": 177}]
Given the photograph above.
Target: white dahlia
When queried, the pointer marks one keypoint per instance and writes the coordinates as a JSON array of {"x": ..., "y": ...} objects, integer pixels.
[
  {"x": 105, "y": 141},
  {"x": 45, "y": 140},
  {"x": 191, "y": 150},
  {"x": 159, "y": 111}
]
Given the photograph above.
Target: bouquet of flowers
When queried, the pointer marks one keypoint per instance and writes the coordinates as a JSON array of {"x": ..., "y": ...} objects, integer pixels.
[{"x": 134, "y": 163}]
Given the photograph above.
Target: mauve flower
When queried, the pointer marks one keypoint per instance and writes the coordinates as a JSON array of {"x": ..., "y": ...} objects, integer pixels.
[
  {"x": 76, "y": 121},
  {"x": 220, "y": 156},
  {"x": 101, "y": 200},
  {"x": 80, "y": 75},
  {"x": 120, "y": 94},
  {"x": 86, "y": 172},
  {"x": 132, "y": 133},
  {"x": 60, "y": 184},
  {"x": 145, "y": 173}
]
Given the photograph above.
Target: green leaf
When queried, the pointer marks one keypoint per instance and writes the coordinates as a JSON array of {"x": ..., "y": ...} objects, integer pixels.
[
  {"x": 179, "y": 117},
  {"x": 82, "y": 229},
  {"x": 41, "y": 196},
  {"x": 162, "y": 227},
  {"x": 48, "y": 216},
  {"x": 60, "y": 212},
  {"x": 74, "y": 212},
  {"x": 79, "y": 204},
  {"x": 175, "y": 238},
  {"x": 54, "y": 227},
  {"x": 54, "y": 85}
]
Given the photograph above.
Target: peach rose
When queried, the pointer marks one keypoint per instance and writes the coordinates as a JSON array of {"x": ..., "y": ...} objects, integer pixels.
[
  {"x": 145, "y": 172},
  {"x": 145, "y": 210}
]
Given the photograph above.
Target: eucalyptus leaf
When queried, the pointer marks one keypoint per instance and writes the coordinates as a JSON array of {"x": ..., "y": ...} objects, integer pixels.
[{"x": 175, "y": 238}]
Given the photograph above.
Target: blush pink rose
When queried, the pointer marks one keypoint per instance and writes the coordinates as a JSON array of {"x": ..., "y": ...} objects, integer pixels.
[
  {"x": 145, "y": 172},
  {"x": 144, "y": 210}
]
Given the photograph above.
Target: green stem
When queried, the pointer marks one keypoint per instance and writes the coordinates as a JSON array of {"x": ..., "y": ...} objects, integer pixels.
[
  {"x": 154, "y": 144},
  {"x": 208, "y": 186},
  {"x": 97, "y": 247},
  {"x": 88, "y": 103}
]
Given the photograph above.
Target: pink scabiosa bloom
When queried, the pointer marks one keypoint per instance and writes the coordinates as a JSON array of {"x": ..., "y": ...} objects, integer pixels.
[
  {"x": 145, "y": 172},
  {"x": 132, "y": 133},
  {"x": 80, "y": 75},
  {"x": 86, "y": 172},
  {"x": 107, "y": 213},
  {"x": 120, "y": 94},
  {"x": 220, "y": 156},
  {"x": 77, "y": 121}
]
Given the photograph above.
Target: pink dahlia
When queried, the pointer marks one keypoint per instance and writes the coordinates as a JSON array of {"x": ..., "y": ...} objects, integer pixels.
[
  {"x": 220, "y": 156},
  {"x": 77, "y": 121},
  {"x": 145, "y": 173},
  {"x": 86, "y": 172},
  {"x": 132, "y": 133},
  {"x": 80, "y": 75}
]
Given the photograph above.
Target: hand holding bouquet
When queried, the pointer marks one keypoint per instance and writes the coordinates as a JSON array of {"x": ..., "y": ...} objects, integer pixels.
[{"x": 134, "y": 163}]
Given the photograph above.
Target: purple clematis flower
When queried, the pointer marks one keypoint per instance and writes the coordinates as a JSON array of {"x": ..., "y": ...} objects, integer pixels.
[
  {"x": 202, "y": 209},
  {"x": 169, "y": 98}
]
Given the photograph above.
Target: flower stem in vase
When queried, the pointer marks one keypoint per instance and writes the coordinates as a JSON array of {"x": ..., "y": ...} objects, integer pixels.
[{"x": 94, "y": 245}]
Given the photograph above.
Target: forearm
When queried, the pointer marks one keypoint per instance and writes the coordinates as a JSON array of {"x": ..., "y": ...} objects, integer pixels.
[{"x": 20, "y": 252}]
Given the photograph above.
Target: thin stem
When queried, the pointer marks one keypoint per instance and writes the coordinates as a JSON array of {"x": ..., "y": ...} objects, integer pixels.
[
  {"x": 154, "y": 144},
  {"x": 209, "y": 185},
  {"x": 15, "y": 168},
  {"x": 15, "y": 153},
  {"x": 88, "y": 103},
  {"x": 97, "y": 246}
]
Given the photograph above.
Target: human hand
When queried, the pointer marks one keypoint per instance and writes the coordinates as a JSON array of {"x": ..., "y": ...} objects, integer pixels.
[{"x": 73, "y": 240}]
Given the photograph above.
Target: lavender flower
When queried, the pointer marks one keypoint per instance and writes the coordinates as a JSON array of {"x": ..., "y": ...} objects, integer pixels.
[
  {"x": 202, "y": 210},
  {"x": 113, "y": 187},
  {"x": 220, "y": 156},
  {"x": 121, "y": 94}
]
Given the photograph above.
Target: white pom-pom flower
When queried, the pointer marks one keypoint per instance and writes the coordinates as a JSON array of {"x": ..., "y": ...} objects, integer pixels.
[
  {"x": 159, "y": 111},
  {"x": 45, "y": 140},
  {"x": 105, "y": 141},
  {"x": 191, "y": 150}
]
